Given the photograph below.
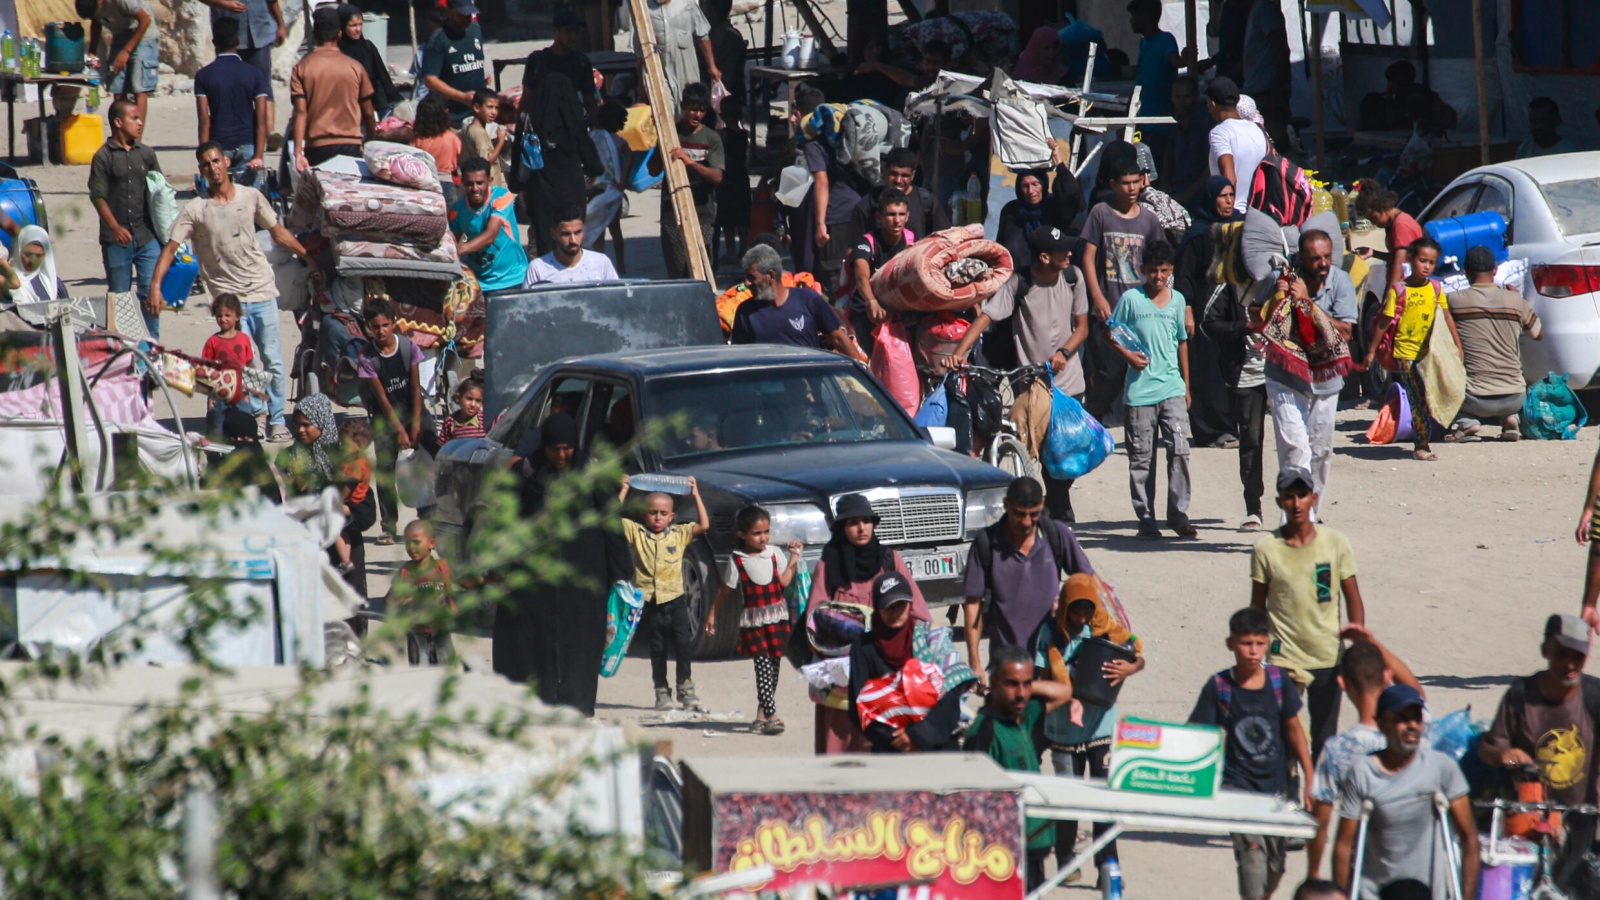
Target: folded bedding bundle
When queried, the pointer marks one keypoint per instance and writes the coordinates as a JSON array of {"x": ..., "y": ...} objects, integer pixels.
[
  {"x": 335, "y": 201},
  {"x": 367, "y": 255},
  {"x": 946, "y": 271}
]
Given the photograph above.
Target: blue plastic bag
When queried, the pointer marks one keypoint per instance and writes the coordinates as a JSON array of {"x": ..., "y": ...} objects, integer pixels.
[
  {"x": 798, "y": 594},
  {"x": 1454, "y": 734},
  {"x": 624, "y": 608},
  {"x": 935, "y": 411},
  {"x": 1552, "y": 411},
  {"x": 1076, "y": 443}
]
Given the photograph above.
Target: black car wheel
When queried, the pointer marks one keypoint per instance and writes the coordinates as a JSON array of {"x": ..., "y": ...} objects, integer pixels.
[{"x": 700, "y": 589}]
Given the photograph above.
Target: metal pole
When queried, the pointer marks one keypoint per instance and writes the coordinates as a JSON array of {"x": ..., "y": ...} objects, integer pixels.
[
  {"x": 70, "y": 375},
  {"x": 1483, "y": 89},
  {"x": 1191, "y": 28},
  {"x": 1318, "y": 22},
  {"x": 1367, "y": 807}
]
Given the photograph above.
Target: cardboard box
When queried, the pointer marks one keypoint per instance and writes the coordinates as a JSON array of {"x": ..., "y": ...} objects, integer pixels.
[{"x": 1162, "y": 758}]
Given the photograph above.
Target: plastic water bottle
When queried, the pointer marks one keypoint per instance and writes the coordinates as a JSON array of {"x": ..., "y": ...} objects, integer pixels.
[
  {"x": 1113, "y": 881},
  {"x": 653, "y": 482},
  {"x": 8, "y": 51}
]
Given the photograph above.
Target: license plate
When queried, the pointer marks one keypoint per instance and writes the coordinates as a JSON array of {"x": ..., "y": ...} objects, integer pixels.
[{"x": 937, "y": 563}]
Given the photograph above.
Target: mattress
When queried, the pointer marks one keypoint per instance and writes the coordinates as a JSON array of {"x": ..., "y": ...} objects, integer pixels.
[{"x": 348, "y": 204}]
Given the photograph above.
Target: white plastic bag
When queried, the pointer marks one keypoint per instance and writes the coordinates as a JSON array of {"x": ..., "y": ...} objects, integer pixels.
[{"x": 413, "y": 478}]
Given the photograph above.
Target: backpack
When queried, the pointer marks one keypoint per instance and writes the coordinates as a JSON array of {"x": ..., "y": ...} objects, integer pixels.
[
  {"x": 847, "y": 276},
  {"x": 983, "y": 546},
  {"x": 1281, "y": 189},
  {"x": 1552, "y": 411},
  {"x": 869, "y": 131},
  {"x": 1224, "y": 687}
]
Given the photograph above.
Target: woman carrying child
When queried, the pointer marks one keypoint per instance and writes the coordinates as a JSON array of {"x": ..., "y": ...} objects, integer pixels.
[{"x": 760, "y": 574}]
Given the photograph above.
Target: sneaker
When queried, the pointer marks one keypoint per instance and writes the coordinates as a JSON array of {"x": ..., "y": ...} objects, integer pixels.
[
  {"x": 1251, "y": 522},
  {"x": 686, "y": 696},
  {"x": 663, "y": 698}
]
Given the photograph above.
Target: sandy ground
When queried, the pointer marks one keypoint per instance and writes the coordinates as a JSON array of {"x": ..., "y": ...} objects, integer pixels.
[{"x": 1460, "y": 560}]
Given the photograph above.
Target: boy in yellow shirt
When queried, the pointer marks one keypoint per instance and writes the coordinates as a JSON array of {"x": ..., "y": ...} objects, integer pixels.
[
  {"x": 658, "y": 548},
  {"x": 1424, "y": 302}
]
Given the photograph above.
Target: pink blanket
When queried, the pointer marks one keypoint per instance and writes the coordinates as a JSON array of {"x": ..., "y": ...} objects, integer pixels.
[{"x": 914, "y": 280}]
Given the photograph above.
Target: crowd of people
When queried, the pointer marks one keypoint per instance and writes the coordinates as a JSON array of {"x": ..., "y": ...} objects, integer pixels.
[{"x": 1123, "y": 286}]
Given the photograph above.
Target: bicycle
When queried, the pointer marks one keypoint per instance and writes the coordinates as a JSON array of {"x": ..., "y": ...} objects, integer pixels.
[
  {"x": 1543, "y": 887},
  {"x": 1006, "y": 450}
]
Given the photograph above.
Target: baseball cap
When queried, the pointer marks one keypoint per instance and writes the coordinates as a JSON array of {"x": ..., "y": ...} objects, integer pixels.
[
  {"x": 1222, "y": 91},
  {"x": 1049, "y": 239},
  {"x": 889, "y": 589},
  {"x": 855, "y": 506},
  {"x": 566, "y": 18},
  {"x": 465, "y": 7},
  {"x": 1289, "y": 476},
  {"x": 1570, "y": 632},
  {"x": 1397, "y": 697},
  {"x": 1481, "y": 259}
]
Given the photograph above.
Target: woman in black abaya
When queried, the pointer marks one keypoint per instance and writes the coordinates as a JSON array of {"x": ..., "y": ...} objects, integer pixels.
[
  {"x": 550, "y": 111},
  {"x": 554, "y": 634}
]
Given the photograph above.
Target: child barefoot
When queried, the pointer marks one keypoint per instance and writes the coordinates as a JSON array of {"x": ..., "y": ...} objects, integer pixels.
[
  {"x": 355, "y": 477},
  {"x": 1415, "y": 302},
  {"x": 427, "y": 581},
  {"x": 761, "y": 575},
  {"x": 467, "y": 420}
]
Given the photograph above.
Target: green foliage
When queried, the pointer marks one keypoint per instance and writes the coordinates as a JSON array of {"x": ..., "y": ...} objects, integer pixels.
[{"x": 315, "y": 795}]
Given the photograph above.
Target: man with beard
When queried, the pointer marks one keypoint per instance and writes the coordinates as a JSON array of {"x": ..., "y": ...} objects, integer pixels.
[
  {"x": 1402, "y": 784},
  {"x": 924, "y": 215},
  {"x": 779, "y": 314},
  {"x": 569, "y": 263},
  {"x": 1548, "y": 721}
]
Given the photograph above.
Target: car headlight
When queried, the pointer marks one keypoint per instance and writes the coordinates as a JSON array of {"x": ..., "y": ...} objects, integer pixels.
[
  {"x": 985, "y": 507},
  {"x": 798, "y": 522}
]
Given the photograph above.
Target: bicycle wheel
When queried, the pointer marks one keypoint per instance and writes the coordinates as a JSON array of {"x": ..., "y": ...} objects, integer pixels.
[{"x": 1010, "y": 456}]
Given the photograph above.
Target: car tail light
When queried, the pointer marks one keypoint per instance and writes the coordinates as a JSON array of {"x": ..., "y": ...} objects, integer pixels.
[{"x": 1566, "y": 281}]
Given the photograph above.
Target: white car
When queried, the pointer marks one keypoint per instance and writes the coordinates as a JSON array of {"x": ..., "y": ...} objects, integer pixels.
[{"x": 1552, "y": 207}]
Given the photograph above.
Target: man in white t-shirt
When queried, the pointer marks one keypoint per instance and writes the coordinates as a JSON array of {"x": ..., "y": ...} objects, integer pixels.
[
  {"x": 1237, "y": 145},
  {"x": 569, "y": 263}
]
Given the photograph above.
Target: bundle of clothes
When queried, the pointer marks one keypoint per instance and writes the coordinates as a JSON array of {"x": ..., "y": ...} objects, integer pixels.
[{"x": 385, "y": 215}]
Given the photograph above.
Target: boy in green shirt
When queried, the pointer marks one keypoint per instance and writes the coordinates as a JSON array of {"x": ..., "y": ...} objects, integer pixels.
[
  {"x": 1157, "y": 390},
  {"x": 1010, "y": 728}
]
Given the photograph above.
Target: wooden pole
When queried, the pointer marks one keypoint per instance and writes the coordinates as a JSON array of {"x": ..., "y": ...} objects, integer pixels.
[
  {"x": 1483, "y": 87},
  {"x": 662, "y": 107},
  {"x": 1318, "y": 22}
]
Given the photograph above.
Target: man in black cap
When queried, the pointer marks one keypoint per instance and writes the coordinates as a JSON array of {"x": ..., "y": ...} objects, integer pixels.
[
  {"x": 565, "y": 56},
  {"x": 1402, "y": 784},
  {"x": 1548, "y": 722},
  {"x": 1047, "y": 307},
  {"x": 453, "y": 62},
  {"x": 1491, "y": 321},
  {"x": 332, "y": 97},
  {"x": 1237, "y": 145}
]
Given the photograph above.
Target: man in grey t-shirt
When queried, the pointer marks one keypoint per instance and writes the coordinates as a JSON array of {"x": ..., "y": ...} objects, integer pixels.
[
  {"x": 1302, "y": 412},
  {"x": 1404, "y": 838},
  {"x": 1048, "y": 307}
]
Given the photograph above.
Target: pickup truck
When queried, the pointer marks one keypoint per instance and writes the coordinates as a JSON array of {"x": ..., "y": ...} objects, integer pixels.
[{"x": 788, "y": 428}]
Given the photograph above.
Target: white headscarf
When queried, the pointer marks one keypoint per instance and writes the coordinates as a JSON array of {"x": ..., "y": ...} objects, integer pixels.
[
  {"x": 1249, "y": 112},
  {"x": 41, "y": 284}
]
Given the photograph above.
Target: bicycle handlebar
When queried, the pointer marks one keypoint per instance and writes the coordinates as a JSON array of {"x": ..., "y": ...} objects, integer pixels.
[{"x": 1522, "y": 806}]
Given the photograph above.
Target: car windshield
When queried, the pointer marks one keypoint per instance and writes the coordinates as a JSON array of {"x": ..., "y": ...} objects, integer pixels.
[
  {"x": 774, "y": 408},
  {"x": 1575, "y": 205}
]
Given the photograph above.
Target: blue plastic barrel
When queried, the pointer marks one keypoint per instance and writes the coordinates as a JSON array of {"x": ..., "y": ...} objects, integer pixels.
[
  {"x": 179, "y": 280},
  {"x": 21, "y": 200},
  {"x": 63, "y": 48},
  {"x": 1458, "y": 235}
]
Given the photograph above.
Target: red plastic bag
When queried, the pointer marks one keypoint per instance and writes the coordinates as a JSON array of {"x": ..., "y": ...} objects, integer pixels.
[
  {"x": 893, "y": 366},
  {"x": 901, "y": 698}
]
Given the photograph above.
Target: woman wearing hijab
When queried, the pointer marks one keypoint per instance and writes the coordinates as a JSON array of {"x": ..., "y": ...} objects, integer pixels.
[
  {"x": 312, "y": 463},
  {"x": 353, "y": 44},
  {"x": 850, "y": 564},
  {"x": 1210, "y": 415},
  {"x": 247, "y": 464},
  {"x": 883, "y": 653},
  {"x": 552, "y": 157},
  {"x": 1038, "y": 204},
  {"x": 37, "y": 267},
  {"x": 554, "y": 634},
  {"x": 1041, "y": 60}
]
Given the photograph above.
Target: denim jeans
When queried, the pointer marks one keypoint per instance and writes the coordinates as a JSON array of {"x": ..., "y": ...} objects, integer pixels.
[
  {"x": 240, "y": 155},
  {"x": 121, "y": 262},
  {"x": 260, "y": 321}
]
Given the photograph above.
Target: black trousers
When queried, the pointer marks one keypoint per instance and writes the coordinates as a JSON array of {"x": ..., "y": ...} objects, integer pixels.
[
  {"x": 1096, "y": 761},
  {"x": 668, "y": 623},
  {"x": 1058, "y": 498},
  {"x": 319, "y": 155},
  {"x": 1106, "y": 371},
  {"x": 1249, "y": 409},
  {"x": 1322, "y": 704}
]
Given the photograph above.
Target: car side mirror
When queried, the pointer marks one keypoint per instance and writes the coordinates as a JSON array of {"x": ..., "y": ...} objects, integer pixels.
[{"x": 941, "y": 436}]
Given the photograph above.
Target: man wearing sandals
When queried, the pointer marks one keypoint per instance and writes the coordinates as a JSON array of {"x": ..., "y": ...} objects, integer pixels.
[{"x": 1491, "y": 321}]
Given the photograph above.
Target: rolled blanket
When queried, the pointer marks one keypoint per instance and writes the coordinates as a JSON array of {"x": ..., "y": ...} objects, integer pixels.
[
  {"x": 915, "y": 280},
  {"x": 1302, "y": 341}
]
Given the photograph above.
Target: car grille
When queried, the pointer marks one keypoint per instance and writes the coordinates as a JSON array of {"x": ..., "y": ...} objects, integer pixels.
[{"x": 908, "y": 515}]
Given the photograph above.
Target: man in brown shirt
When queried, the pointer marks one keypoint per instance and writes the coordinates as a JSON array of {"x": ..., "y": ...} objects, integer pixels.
[
  {"x": 1491, "y": 320},
  {"x": 332, "y": 97}
]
